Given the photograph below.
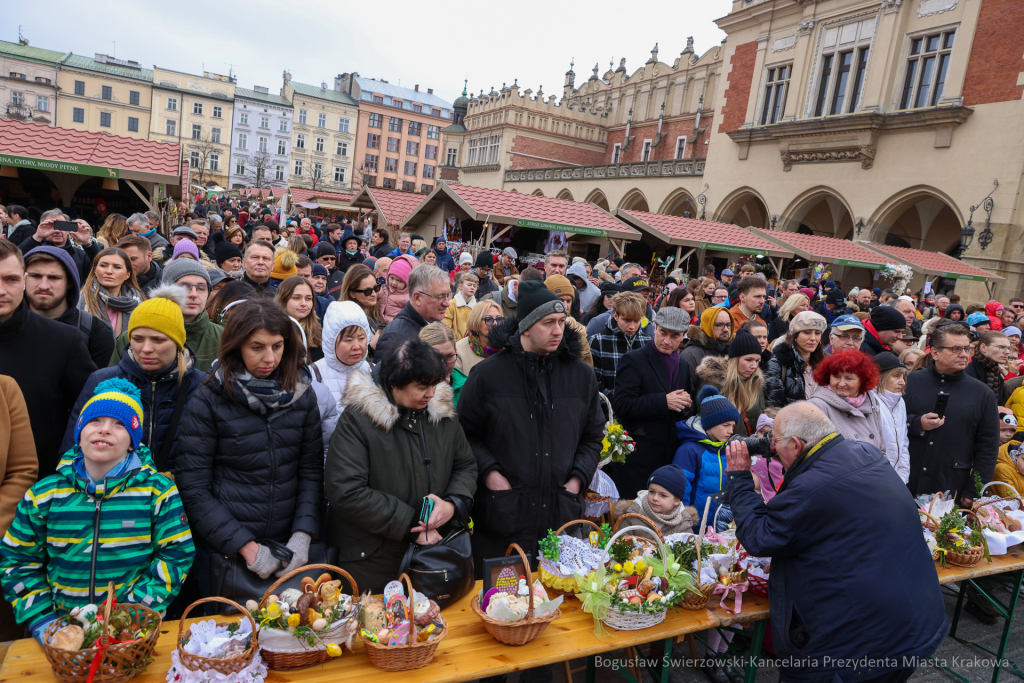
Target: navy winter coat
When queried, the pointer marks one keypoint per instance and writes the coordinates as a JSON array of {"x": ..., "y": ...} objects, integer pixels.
[
  {"x": 159, "y": 394},
  {"x": 851, "y": 576}
]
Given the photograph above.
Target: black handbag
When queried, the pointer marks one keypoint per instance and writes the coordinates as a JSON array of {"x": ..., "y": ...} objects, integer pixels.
[
  {"x": 229, "y": 577},
  {"x": 444, "y": 571}
]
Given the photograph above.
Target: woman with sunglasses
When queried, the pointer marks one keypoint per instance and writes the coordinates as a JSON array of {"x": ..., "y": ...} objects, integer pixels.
[
  {"x": 360, "y": 286},
  {"x": 442, "y": 339},
  {"x": 475, "y": 346}
]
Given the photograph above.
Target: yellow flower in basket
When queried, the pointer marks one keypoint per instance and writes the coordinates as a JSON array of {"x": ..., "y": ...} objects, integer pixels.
[
  {"x": 605, "y": 444},
  {"x": 294, "y": 620}
]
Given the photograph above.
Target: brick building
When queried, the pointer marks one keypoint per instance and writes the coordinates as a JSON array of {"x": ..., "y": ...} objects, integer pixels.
[
  {"x": 399, "y": 133},
  {"x": 856, "y": 119}
]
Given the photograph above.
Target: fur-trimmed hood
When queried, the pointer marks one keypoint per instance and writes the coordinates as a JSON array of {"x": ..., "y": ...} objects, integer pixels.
[
  {"x": 787, "y": 355},
  {"x": 712, "y": 370},
  {"x": 507, "y": 335},
  {"x": 364, "y": 394}
]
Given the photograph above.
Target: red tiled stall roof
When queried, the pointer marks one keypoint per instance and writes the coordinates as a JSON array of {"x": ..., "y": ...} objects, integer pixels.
[
  {"x": 506, "y": 206},
  {"x": 263, "y": 192},
  {"x": 303, "y": 195},
  {"x": 825, "y": 249},
  {"x": 933, "y": 262},
  {"x": 692, "y": 232},
  {"x": 393, "y": 206},
  {"x": 133, "y": 159}
]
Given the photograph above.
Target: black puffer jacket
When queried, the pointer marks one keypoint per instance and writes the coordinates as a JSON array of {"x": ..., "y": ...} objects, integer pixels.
[
  {"x": 248, "y": 476},
  {"x": 784, "y": 380},
  {"x": 538, "y": 421}
]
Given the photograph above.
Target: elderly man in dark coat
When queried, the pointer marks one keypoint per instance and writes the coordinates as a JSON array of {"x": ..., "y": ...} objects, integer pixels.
[
  {"x": 653, "y": 390},
  {"x": 534, "y": 421},
  {"x": 841, "y": 519}
]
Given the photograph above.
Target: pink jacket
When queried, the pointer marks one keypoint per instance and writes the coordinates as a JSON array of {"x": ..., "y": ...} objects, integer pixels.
[{"x": 392, "y": 302}]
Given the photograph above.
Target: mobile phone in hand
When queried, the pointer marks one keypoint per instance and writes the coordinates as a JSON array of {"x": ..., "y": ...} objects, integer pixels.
[
  {"x": 427, "y": 509},
  {"x": 65, "y": 226},
  {"x": 940, "y": 405}
]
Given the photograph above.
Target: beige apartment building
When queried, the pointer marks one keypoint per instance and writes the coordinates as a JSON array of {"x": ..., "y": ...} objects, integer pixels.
[
  {"x": 884, "y": 121},
  {"x": 106, "y": 95},
  {"x": 323, "y": 136},
  {"x": 28, "y": 82},
  {"x": 196, "y": 112}
]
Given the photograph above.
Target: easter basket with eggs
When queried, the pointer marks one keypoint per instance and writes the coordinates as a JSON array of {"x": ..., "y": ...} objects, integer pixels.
[
  {"x": 513, "y": 618},
  {"x": 562, "y": 557},
  {"x": 302, "y": 628},
  {"x": 634, "y": 594},
  {"x": 217, "y": 650},
  {"x": 106, "y": 643},
  {"x": 401, "y": 631},
  {"x": 960, "y": 539}
]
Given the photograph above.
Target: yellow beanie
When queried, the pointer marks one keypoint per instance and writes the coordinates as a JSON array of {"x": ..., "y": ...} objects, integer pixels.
[
  {"x": 285, "y": 264},
  {"x": 162, "y": 312}
]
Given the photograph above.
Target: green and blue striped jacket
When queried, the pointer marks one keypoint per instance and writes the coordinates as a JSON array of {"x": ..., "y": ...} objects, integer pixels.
[{"x": 133, "y": 532}]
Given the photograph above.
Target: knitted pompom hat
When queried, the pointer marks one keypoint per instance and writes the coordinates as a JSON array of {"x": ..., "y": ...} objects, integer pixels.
[
  {"x": 162, "y": 312},
  {"x": 285, "y": 264},
  {"x": 715, "y": 408},
  {"x": 117, "y": 398}
]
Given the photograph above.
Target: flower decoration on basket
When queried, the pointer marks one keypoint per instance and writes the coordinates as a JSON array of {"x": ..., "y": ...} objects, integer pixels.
[
  {"x": 633, "y": 593},
  {"x": 899, "y": 274},
  {"x": 958, "y": 542},
  {"x": 616, "y": 443},
  {"x": 562, "y": 557}
]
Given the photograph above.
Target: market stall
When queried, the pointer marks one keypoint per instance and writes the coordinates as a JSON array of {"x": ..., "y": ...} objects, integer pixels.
[
  {"x": 329, "y": 205},
  {"x": 89, "y": 175},
  {"x": 494, "y": 219},
  {"x": 387, "y": 208},
  {"x": 706, "y": 239},
  {"x": 935, "y": 272},
  {"x": 827, "y": 258}
]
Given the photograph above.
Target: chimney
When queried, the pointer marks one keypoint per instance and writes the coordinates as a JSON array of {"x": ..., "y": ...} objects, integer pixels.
[
  {"x": 416, "y": 87},
  {"x": 261, "y": 89},
  {"x": 102, "y": 59},
  {"x": 430, "y": 91}
]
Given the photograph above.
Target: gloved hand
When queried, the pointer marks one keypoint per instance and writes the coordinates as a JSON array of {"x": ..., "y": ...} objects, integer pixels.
[
  {"x": 39, "y": 628},
  {"x": 265, "y": 564},
  {"x": 299, "y": 545}
]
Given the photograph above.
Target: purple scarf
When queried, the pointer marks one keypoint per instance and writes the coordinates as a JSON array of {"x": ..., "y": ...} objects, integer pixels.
[{"x": 671, "y": 365}]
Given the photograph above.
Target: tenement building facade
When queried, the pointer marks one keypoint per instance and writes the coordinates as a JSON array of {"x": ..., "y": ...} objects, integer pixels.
[{"x": 876, "y": 120}]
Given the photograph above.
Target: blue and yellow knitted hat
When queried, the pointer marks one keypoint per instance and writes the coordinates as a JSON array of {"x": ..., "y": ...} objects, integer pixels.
[{"x": 116, "y": 398}]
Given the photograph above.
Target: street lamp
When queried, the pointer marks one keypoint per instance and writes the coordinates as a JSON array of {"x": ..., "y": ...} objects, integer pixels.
[{"x": 986, "y": 236}]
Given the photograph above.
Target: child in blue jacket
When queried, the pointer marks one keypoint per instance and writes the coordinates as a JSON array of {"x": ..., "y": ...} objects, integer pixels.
[{"x": 701, "y": 454}]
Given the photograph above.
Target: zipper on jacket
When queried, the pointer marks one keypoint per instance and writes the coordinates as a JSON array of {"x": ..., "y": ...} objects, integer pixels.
[
  {"x": 95, "y": 549},
  {"x": 273, "y": 473},
  {"x": 152, "y": 414}
]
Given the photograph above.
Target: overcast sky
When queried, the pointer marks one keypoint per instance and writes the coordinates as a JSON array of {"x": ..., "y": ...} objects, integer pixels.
[{"x": 433, "y": 44}]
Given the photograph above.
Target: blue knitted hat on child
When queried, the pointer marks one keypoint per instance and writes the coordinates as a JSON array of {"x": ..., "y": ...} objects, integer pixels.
[
  {"x": 715, "y": 408},
  {"x": 116, "y": 398},
  {"x": 672, "y": 479}
]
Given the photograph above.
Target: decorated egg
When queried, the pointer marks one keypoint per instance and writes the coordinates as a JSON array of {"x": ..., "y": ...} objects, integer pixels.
[{"x": 319, "y": 624}]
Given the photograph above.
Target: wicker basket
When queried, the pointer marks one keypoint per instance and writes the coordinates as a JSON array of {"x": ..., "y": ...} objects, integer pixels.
[
  {"x": 981, "y": 502},
  {"x": 223, "y": 665},
  {"x": 647, "y": 542},
  {"x": 112, "y": 662},
  {"x": 549, "y": 579},
  {"x": 695, "y": 601},
  {"x": 608, "y": 423},
  {"x": 412, "y": 655},
  {"x": 516, "y": 632},
  {"x": 965, "y": 558},
  {"x": 306, "y": 657},
  {"x": 626, "y": 620}
]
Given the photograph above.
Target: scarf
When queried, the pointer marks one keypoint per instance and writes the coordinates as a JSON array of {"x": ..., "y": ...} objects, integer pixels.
[
  {"x": 668, "y": 524},
  {"x": 264, "y": 395},
  {"x": 131, "y": 461},
  {"x": 991, "y": 371},
  {"x": 478, "y": 348},
  {"x": 670, "y": 363},
  {"x": 125, "y": 303},
  {"x": 857, "y": 401}
]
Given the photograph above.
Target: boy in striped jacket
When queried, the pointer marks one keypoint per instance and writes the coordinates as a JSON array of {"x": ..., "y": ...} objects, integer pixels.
[{"x": 106, "y": 515}]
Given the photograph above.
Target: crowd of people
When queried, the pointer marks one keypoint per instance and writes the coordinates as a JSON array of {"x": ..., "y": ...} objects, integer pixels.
[{"x": 252, "y": 393}]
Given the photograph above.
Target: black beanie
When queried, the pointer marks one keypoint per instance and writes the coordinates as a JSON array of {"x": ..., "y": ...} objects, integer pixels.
[
  {"x": 887, "y": 318},
  {"x": 743, "y": 344},
  {"x": 834, "y": 297},
  {"x": 535, "y": 302},
  {"x": 325, "y": 248},
  {"x": 484, "y": 260},
  {"x": 226, "y": 250}
]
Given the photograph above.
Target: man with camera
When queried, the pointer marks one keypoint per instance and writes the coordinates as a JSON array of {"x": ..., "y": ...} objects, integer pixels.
[{"x": 841, "y": 519}]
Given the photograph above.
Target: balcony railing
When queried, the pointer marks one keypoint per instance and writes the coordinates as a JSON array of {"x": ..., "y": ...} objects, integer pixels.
[
  {"x": 648, "y": 169},
  {"x": 19, "y": 112}
]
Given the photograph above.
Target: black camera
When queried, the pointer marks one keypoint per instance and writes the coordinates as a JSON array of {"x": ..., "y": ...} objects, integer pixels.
[{"x": 759, "y": 445}]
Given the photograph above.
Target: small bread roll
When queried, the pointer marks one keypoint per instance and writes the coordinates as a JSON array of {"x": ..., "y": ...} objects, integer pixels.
[{"x": 68, "y": 637}]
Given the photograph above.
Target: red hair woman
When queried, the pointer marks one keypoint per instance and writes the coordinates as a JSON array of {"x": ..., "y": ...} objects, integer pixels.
[{"x": 846, "y": 397}]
